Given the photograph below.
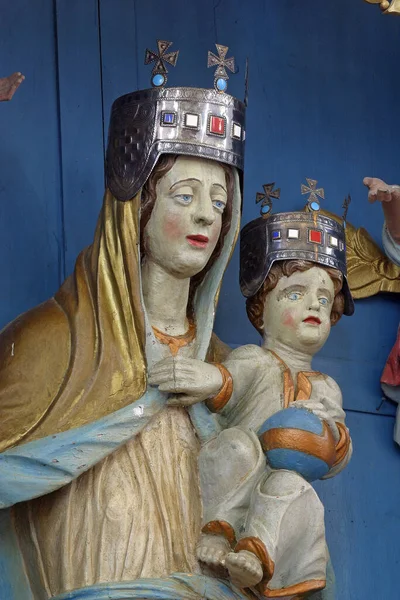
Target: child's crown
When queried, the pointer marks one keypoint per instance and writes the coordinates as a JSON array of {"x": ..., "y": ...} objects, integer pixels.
[{"x": 306, "y": 235}]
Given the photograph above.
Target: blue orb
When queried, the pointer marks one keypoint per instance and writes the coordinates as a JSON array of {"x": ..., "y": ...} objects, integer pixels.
[
  {"x": 314, "y": 205},
  {"x": 295, "y": 439},
  {"x": 221, "y": 84},
  {"x": 158, "y": 80},
  {"x": 265, "y": 209}
]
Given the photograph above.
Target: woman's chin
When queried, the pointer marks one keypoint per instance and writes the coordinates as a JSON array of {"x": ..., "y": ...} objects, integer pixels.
[{"x": 189, "y": 267}]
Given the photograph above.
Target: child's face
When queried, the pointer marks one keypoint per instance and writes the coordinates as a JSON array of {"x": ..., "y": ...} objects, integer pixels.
[{"x": 297, "y": 311}]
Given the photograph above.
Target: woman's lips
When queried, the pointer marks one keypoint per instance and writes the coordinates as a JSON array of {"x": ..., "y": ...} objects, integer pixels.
[
  {"x": 199, "y": 241},
  {"x": 312, "y": 320}
]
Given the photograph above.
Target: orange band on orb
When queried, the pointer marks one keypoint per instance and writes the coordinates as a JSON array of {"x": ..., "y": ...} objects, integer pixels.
[
  {"x": 321, "y": 446},
  {"x": 217, "y": 402},
  {"x": 343, "y": 445}
]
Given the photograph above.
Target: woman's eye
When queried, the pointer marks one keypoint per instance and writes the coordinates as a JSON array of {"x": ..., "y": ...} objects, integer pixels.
[
  {"x": 323, "y": 301},
  {"x": 219, "y": 205},
  {"x": 294, "y": 296},
  {"x": 184, "y": 198}
]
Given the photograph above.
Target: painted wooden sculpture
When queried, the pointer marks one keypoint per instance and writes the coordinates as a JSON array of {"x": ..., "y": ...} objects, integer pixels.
[
  {"x": 122, "y": 418},
  {"x": 263, "y": 521},
  {"x": 389, "y": 197},
  {"x": 99, "y": 467}
]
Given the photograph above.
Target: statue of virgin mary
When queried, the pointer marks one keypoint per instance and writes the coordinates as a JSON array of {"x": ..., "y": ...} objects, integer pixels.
[{"x": 99, "y": 488}]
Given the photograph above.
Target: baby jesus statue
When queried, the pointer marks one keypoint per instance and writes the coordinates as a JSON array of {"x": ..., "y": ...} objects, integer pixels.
[{"x": 283, "y": 425}]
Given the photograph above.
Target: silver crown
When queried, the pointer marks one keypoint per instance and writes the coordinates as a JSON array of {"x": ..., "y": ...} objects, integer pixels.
[
  {"x": 190, "y": 121},
  {"x": 308, "y": 236}
]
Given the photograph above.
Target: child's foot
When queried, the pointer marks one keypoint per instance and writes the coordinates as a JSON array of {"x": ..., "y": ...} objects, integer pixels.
[
  {"x": 244, "y": 568},
  {"x": 212, "y": 550}
]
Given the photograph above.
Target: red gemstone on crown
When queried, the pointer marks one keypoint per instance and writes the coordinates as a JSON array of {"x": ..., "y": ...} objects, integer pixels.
[
  {"x": 217, "y": 125},
  {"x": 315, "y": 236}
]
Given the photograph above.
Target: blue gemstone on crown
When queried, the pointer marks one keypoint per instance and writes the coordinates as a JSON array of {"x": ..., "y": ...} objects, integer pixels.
[
  {"x": 168, "y": 118},
  {"x": 221, "y": 84},
  {"x": 314, "y": 205},
  {"x": 158, "y": 80},
  {"x": 265, "y": 209},
  {"x": 276, "y": 235}
]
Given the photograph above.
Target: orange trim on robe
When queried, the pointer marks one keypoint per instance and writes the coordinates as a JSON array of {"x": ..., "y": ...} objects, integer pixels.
[
  {"x": 258, "y": 548},
  {"x": 217, "y": 402},
  {"x": 222, "y": 528},
  {"x": 306, "y": 587},
  {"x": 176, "y": 342},
  {"x": 304, "y": 385},
  {"x": 288, "y": 385}
]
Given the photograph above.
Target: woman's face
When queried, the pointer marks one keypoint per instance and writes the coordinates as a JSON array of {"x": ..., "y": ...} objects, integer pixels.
[
  {"x": 297, "y": 311},
  {"x": 186, "y": 220}
]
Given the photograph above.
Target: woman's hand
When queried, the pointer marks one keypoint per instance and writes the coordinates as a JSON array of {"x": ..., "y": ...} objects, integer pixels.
[
  {"x": 319, "y": 410},
  {"x": 194, "y": 380}
]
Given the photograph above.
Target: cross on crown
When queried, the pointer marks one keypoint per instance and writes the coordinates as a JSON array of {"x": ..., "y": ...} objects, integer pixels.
[
  {"x": 221, "y": 76},
  {"x": 160, "y": 70},
  {"x": 313, "y": 192},
  {"x": 269, "y": 193}
]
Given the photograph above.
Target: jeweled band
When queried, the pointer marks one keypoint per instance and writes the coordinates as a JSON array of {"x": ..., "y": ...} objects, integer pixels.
[
  {"x": 189, "y": 121},
  {"x": 291, "y": 236}
]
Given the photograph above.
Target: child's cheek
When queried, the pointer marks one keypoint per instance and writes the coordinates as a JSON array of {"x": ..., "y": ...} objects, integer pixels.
[
  {"x": 326, "y": 326},
  {"x": 288, "y": 319}
]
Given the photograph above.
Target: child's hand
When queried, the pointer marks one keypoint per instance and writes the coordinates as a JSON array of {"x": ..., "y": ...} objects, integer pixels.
[
  {"x": 319, "y": 411},
  {"x": 194, "y": 380}
]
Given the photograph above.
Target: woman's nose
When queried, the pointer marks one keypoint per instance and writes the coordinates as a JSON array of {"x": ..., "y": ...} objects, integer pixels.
[{"x": 204, "y": 211}]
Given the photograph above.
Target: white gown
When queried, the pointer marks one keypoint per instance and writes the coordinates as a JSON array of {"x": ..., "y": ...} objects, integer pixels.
[{"x": 275, "y": 514}]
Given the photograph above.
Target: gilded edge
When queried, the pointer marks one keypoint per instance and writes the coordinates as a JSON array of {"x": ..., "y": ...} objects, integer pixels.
[
  {"x": 369, "y": 270},
  {"x": 387, "y": 7}
]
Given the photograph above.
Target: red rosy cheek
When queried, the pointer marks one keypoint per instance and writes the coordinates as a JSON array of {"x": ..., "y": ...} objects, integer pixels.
[
  {"x": 172, "y": 228},
  {"x": 287, "y": 319}
]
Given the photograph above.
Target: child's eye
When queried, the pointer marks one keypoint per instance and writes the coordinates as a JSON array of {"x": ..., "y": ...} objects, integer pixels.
[
  {"x": 184, "y": 198},
  {"x": 323, "y": 301},
  {"x": 219, "y": 205},
  {"x": 294, "y": 296}
]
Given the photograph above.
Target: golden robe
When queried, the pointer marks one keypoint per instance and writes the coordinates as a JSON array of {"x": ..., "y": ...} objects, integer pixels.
[{"x": 73, "y": 360}]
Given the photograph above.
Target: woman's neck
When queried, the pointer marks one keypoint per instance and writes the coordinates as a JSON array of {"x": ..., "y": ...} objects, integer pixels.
[
  {"x": 165, "y": 298},
  {"x": 296, "y": 360}
]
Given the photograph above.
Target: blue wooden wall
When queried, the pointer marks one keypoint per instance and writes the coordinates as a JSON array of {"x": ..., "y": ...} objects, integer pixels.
[{"x": 324, "y": 103}]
